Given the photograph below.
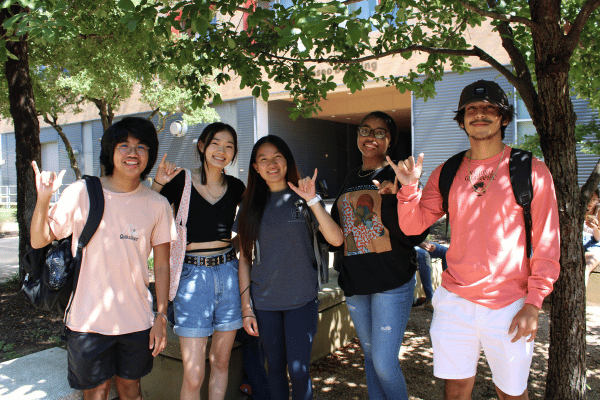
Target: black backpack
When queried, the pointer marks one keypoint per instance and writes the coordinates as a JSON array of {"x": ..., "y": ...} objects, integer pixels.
[
  {"x": 519, "y": 167},
  {"x": 52, "y": 271},
  {"x": 320, "y": 245}
]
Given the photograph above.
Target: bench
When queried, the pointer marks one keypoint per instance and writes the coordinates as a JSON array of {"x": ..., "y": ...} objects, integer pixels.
[
  {"x": 335, "y": 329},
  {"x": 41, "y": 375},
  {"x": 436, "y": 277},
  {"x": 593, "y": 288}
]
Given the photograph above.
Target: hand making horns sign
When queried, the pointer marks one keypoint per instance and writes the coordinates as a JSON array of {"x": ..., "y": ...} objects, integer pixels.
[
  {"x": 166, "y": 171},
  {"x": 306, "y": 187},
  {"x": 408, "y": 171},
  {"x": 47, "y": 182}
]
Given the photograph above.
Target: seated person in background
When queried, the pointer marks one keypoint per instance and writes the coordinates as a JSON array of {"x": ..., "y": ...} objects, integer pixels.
[
  {"x": 591, "y": 236},
  {"x": 435, "y": 250}
]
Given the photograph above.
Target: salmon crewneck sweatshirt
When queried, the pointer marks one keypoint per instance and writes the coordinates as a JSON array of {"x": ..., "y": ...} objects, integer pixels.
[{"x": 486, "y": 259}]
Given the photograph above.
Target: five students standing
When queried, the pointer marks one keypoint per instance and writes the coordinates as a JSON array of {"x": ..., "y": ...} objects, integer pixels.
[{"x": 378, "y": 218}]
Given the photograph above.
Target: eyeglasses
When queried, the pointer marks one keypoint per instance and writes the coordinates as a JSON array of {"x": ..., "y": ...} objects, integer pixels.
[
  {"x": 379, "y": 133},
  {"x": 139, "y": 149}
]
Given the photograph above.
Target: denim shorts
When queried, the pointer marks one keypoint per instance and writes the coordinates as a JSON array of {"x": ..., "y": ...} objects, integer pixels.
[
  {"x": 207, "y": 299},
  {"x": 590, "y": 244}
]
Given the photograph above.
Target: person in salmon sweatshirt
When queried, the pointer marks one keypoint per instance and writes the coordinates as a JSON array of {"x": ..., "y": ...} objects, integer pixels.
[{"x": 492, "y": 291}]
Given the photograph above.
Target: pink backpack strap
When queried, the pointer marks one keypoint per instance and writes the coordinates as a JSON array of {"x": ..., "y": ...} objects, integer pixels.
[
  {"x": 178, "y": 246},
  {"x": 184, "y": 205}
]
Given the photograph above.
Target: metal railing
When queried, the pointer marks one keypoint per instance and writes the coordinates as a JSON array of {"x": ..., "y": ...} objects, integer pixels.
[{"x": 8, "y": 195}]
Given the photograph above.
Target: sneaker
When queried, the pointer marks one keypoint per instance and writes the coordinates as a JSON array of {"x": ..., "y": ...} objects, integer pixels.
[
  {"x": 246, "y": 389},
  {"x": 428, "y": 306},
  {"x": 419, "y": 302}
]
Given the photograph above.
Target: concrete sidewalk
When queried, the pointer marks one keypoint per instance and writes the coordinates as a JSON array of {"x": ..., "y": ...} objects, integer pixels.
[{"x": 9, "y": 257}]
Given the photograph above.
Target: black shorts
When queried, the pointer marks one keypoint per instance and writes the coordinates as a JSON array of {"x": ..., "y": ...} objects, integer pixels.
[{"x": 95, "y": 358}]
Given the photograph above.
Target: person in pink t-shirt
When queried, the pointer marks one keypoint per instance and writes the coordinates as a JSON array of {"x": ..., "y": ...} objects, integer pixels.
[
  {"x": 491, "y": 292},
  {"x": 111, "y": 327}
]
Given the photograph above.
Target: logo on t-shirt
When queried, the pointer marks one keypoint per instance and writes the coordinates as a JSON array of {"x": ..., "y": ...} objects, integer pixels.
[
  {"x": 296, "y": 213},
  {"x": 129, "y": 233}
]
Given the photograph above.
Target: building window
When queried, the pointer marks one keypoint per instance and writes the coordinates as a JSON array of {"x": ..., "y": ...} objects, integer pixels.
[{"x": 523, "y": 123}]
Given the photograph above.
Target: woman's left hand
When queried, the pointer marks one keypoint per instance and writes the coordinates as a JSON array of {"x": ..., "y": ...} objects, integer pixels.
[
  {"x": 306, "y": 187},
  {"x": 387, "y": 187}
]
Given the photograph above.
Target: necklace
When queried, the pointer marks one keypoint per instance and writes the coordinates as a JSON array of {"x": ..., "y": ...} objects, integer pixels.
[
  {"x": 215, "y": 197},
  {"x": 370, "y": 171},
  {"x": 480, "y": 192}
]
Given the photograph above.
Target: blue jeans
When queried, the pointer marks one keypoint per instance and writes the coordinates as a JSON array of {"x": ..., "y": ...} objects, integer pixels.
[
  {"x": 287, "y": 337},
  {"x": 425, "y": 269},
  {"x": 380, "y": 320},
  {"x": 253, "y": 358}
]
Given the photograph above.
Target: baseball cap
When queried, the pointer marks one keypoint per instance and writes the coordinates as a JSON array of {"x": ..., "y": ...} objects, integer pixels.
[{"x": 483, "y": 91}]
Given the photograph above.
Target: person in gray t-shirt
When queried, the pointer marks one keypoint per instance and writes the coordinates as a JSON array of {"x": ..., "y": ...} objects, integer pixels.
[{"x": 282, "y": 276}]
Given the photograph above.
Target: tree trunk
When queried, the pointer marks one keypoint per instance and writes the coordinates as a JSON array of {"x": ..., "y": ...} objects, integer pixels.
[
  {"x": 68, "y": 147},
  {"x": 555, "y": 123},
  {"x": 27, "y": 131}
]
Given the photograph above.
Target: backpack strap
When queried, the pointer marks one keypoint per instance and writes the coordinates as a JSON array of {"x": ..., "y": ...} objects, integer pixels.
[
  {"x": 184, "y": 205},
  {"x": 312, "y": 227},
  {"x": 447, "y": 174},
  {"x": 520, "y": 178}
]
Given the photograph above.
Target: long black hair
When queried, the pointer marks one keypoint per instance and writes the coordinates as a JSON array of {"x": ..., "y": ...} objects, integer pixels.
[
  {"x": 206, "y": 137},
  {"x": 257, "y": 193}
]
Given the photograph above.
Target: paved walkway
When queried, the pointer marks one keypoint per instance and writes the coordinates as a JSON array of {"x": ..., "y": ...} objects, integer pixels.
[{"x": 9, "y": 257}]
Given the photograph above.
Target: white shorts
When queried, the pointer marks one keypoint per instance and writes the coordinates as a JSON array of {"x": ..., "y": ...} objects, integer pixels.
[{"x": 461, "y": 328}]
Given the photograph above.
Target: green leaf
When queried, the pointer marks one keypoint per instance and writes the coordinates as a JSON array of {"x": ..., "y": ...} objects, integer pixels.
[
  {"x": 354, "y": 31},
  {"x": 126, "y": 5},
  {"x": 231, "y": 43},
  {"x": 256, "y": 91},
  {"x": 9, "y": 22},
  {"x": 265, "y": 93}
]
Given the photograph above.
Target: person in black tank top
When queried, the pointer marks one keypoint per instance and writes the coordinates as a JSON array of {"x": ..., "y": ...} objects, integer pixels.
[{"x": 207, "y": 301}]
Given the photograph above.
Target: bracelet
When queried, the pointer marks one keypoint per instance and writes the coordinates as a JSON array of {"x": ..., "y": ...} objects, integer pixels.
[
  {"x": 161, "y": 184},
  {"x": 245, "y": 290},
  {"x": 314, "y": 200},
  {"x": 162, "y": 315},
  {"x": 249, "y": 316}
]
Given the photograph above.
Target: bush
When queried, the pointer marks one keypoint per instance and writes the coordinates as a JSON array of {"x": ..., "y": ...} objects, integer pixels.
[{"x": 8, "y": 214}]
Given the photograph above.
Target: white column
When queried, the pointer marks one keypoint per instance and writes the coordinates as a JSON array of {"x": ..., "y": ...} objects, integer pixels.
[
  {"x": 88, "y": 148},
  {"x": 261, "y": 119}
]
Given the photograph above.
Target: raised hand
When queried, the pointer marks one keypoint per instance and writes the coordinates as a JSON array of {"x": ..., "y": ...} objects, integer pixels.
[
  {"x": 46, "y": 182},
  {"x": 166, "y": 171},
  {"x": 387, "y": 187},
  {"x": 306, "y": 187},
  {"x": 408, "y": 171}
]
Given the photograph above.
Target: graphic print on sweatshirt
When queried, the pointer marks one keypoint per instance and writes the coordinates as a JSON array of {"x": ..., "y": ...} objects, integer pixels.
[{"x": 361, "y": 223}]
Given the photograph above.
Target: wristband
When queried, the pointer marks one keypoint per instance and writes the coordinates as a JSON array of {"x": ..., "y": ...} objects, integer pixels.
[
  {"x": 313, "y": 201},
  {"x": 162, "y": 315},
  {"x": 161, "y": 184}
]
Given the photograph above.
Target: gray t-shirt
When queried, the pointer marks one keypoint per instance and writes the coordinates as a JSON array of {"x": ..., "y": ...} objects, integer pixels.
[{"x": 285, "y": 277}]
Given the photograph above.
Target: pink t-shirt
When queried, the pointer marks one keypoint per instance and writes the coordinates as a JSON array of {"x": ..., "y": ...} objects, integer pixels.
[
  {"x": 487, "y": 263},
  {"x": 112, "y": 296}
]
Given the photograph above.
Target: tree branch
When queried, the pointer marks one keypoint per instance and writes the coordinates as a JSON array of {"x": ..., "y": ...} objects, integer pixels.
[
  {"x": 577, "y": 27},
  {"x": 523, "y": 74},
  {"x": 498, "y": 16},
  {"x": 54, "y": 123}
]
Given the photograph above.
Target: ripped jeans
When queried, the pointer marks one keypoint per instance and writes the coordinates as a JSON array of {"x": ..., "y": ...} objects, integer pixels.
[{"x": 380, "y": 320}]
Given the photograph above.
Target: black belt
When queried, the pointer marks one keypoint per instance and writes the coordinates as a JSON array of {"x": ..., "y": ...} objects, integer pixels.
[{"x": 210, "y": 261}]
